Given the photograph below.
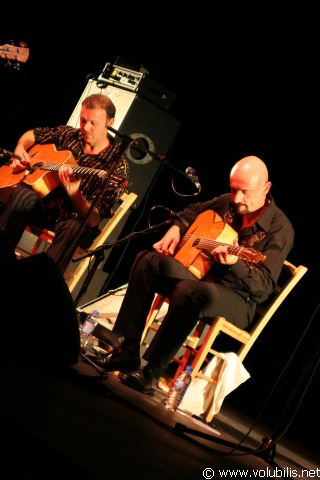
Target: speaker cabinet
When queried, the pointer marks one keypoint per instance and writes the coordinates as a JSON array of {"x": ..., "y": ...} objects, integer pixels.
[
  {"x": 43, "y": 321},
  {"x": 152, "y": 128}
]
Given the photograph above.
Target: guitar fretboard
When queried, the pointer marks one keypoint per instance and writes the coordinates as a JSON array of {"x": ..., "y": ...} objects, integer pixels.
[
  {"x": 207, "y": 244},
  {"x": 54, "y": 167}
]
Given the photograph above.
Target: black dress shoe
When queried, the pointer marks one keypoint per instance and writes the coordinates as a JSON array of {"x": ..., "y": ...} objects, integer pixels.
[
  {"x": 142, "y": 380},
  {"x": 119, "y": 361}
]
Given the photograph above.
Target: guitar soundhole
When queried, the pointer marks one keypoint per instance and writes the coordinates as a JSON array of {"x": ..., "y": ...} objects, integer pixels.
[{"x": 34, "y": 167}]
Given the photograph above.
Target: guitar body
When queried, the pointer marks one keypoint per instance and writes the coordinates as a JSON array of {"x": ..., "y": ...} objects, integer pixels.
[
  {"x": 210, "y": 225},
  {"x": 42, "y": 181}
]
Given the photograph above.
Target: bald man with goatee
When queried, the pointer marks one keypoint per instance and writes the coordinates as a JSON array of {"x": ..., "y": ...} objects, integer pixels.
[{"x": 229, "y": 286}]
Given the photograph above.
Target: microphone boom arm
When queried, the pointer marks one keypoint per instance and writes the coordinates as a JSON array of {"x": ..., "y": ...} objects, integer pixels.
[
  {"x": 138, "y": 146},
  {"x": 106, "y": 246}
]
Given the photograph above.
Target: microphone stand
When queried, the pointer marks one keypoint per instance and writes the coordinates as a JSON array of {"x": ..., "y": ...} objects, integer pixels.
[
  {"x": 113, "y": 164},
  {"x": 98, "y": 254}
]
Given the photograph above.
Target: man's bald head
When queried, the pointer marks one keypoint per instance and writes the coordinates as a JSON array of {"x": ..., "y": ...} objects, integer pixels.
[
  {"x": 252, "y": 168},
  {"x": 249, "y": 184}
]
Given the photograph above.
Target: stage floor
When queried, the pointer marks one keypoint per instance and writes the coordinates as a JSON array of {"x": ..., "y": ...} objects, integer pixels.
[{"x": 72, "y": 422}]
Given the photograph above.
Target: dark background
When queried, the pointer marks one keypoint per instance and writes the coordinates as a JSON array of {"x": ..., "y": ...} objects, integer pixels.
[{"x": 245, "y": 83}]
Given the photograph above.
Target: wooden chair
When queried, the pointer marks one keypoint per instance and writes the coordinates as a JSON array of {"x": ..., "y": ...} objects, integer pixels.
[
  {"x": 36, "y": 241},
  {"x": 200, "y": 343},
  {"x": 127, "y": 200}
]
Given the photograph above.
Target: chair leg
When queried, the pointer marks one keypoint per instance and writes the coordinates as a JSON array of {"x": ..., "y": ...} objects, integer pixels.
[
  {"x": 190, "y": 347},
  {"x": 155, "y": 308}
]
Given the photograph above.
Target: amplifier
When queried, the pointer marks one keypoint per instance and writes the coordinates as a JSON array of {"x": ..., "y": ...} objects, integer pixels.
[
  {"x": 138, "y": 82},
  {"x": 145, "y": 122},
  {"x": 121, "y": 77}
]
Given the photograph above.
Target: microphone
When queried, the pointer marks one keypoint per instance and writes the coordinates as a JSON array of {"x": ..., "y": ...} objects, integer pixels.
[
  {"x": 172, "y": 214},
  {"x": 177, "y": 217},
  {"x": 6, "y": 153},
  {"x": 122, "y": 135},
  {"x": 191, "y": 174}
]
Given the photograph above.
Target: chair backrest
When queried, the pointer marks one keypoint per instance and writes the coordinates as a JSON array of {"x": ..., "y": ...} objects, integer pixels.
[
  {"x": 288, "y": 279},
  {"x": 73, "y": 277}
]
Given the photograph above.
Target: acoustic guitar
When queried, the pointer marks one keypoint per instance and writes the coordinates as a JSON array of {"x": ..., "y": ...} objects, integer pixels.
[
  {"x": 207, "y": 232},
  {"x": 42, "y": 175}
]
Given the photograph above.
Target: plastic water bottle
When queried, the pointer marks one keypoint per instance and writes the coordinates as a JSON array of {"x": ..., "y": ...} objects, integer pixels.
[
  {"x": 178, "y": 390},
  {"x": 88, "y": 326}
]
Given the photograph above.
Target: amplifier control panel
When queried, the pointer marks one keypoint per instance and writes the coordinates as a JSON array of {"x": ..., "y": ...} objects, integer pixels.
[{"x": 121, "y": 77}]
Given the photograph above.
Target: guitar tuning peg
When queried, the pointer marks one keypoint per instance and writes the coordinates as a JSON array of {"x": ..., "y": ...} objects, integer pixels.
[
  {"x": 8, "y": 63},
  {"x": 16, "y": 66},
  {"x": 23, "y": 44}
]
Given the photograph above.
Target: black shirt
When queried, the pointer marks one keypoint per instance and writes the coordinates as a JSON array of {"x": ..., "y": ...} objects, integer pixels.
[{"x": 272, "y": 234}]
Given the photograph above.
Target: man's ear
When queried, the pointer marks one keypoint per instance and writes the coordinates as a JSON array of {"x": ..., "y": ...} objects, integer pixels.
[{"x": 267, "y": 186}]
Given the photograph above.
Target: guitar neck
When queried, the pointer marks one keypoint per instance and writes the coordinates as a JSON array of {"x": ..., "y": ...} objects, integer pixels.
[
  {"x": 114, "y": 180},
  {"x": 53, "y": 167},
  {"x": 233, "y": 249},
  {"x": 246, "y": 254}
]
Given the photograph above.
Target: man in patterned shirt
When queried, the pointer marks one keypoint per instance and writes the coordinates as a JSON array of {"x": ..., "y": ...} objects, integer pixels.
[{"x": 74, "y": 208}]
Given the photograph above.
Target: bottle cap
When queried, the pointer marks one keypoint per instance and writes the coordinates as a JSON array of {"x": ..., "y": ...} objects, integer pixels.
[
  {"x": 96, "y": 313},
  {"x": 189, "y": 368}
]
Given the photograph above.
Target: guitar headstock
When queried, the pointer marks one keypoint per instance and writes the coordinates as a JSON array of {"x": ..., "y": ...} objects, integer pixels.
[
  {"x": 252, "y": 256},
  {"x": 16, "y": 54}
]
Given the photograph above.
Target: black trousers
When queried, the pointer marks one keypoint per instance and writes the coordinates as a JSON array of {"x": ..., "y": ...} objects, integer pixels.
[
  {"x": 189, "y": 300},
  {"x": 25, "y": 207}
]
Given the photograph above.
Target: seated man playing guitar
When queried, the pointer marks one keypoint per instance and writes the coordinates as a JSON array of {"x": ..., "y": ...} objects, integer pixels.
[
  {"x": 228, "y": 280},
  {"x": 74, "y": 191}
]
